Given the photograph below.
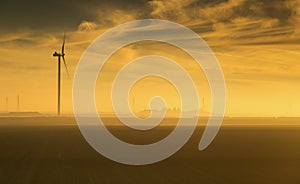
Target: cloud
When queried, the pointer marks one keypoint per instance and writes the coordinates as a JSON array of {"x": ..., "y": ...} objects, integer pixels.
[
  {"x": 234, "y": 21},
  {"x": 86, "y": 26},
  {"x": 171, "y": 9}
]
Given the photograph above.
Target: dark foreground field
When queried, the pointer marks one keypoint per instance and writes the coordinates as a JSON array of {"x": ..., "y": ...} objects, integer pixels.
[{"x": 52, "y": 150}]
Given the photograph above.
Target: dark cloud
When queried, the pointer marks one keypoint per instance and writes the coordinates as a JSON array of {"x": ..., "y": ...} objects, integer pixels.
[
  {"x": 54, "y": 14},
  {"x": 18, "y": 14},
  {"x": 275, "y": 9},
  {"x": 278, "y": 9},
  {"x": 267, "y": 18}
]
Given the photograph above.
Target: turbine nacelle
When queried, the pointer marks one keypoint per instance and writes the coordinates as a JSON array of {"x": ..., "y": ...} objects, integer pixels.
[{"x": 55, "y": 54}]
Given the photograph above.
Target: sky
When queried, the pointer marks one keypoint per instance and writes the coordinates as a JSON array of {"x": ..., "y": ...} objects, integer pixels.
[{"x": 256, "y": 42}]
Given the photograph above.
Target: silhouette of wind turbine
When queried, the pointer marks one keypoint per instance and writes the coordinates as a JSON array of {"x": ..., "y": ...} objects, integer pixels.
[{"x": 59, "y": 56}]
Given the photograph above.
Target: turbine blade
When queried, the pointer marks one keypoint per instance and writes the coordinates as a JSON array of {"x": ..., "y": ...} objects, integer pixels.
[
  {"x": 63, "y": 57},
  {"x": 63, "y": 45}
]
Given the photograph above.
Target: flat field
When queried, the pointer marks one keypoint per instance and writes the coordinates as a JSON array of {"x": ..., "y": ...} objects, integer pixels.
[{"x": 246, "y": 150}]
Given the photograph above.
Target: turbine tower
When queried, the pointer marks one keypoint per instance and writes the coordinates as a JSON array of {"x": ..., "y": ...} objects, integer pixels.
[{"x": 59, "y": 56}]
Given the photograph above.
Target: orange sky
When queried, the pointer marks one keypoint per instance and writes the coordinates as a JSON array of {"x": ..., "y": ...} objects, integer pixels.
[{"x": 257, "y": 45}]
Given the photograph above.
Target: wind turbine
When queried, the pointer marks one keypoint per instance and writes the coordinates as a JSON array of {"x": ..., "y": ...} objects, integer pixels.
[{"x": 59, "y": 56}]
